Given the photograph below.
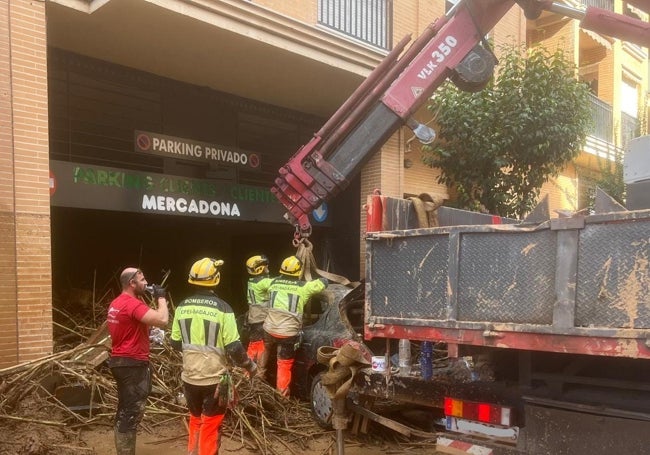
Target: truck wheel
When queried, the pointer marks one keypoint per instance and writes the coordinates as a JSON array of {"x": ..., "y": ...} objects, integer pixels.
[{"x": 321, "y": 404}]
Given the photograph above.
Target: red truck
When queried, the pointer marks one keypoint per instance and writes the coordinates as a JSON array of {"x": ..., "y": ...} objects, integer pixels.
[{"x": 546, "y": 323}]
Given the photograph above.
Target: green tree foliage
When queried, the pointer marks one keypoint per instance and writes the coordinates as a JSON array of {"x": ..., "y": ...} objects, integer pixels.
[{"x": 498, "y": 146}]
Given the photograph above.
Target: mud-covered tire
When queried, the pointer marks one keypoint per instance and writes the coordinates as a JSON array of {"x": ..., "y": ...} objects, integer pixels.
[{"x": 320, "y": 402}]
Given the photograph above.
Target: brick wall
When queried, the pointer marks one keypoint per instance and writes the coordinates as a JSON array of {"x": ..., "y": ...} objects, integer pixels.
[
  {"x": 562, "y": 191},
  {"x": 510, "y": 29},
  {"x": 413, "y": 16},
  {"x": 25, "y": 252},
  {"x": 8, "y": 292}
]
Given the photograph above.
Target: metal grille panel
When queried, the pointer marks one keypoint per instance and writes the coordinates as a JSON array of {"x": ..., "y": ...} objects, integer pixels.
[
  {"x": 613, "y": 289},
  {"x": 507, "y": 277},
  {"x": 366, "y": 20},
  {"x": 408, "y": 276}
]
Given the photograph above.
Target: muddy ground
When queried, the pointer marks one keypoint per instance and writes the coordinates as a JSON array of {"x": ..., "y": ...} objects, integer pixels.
[
  {"x": 38, "y": 430},
  {"x": 26, "y": 438},
  {"x": 101, "y": 442}
]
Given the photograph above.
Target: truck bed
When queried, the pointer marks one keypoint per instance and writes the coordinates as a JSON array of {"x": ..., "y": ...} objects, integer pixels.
[{"x": 577, "y": 285}]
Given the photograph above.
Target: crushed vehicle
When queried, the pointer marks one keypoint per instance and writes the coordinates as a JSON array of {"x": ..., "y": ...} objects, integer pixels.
[{"x": 340, "y": 320}]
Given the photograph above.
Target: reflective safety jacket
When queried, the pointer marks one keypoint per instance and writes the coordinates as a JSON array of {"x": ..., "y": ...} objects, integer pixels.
[
  {"x": 205, "y": 329},
  {"x": 258, "y": 299},
  {"x": 288, "y": 297}
]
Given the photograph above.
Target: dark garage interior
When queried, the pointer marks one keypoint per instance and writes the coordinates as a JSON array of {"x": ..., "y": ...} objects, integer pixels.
[{"x": 91, "y": 247}]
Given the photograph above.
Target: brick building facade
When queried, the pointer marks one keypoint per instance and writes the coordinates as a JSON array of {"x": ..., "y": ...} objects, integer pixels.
[{"x": 25, "y": 273}]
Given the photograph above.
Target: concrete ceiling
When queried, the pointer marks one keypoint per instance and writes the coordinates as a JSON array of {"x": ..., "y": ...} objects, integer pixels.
[{"x": 229, "y": 45}]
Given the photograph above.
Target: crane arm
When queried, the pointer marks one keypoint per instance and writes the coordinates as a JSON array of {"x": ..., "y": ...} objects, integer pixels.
[{"x": 449, "y": 48}]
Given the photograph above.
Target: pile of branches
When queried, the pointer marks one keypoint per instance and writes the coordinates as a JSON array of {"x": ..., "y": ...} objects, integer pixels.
[{"x": 32, "y": 393}]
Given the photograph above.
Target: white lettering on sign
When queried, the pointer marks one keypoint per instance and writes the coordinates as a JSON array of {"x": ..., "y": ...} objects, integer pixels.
[
  {"x": 176, "y": 147},
  {"x": 192, "y": 206},
  {"x": 181, "y": 148},
  {"x": 227, "y": 156},
  {"x": 438, "y": 56}
]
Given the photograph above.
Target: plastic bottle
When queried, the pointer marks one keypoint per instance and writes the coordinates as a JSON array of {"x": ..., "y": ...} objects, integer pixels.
[
  {"x": 404, "y": 357},
  {"x": 426, "y": 360}
]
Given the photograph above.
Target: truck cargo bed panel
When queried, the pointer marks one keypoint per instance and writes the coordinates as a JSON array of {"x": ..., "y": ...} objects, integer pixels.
[
  {"x": 584, "y": 277},
  {"x": 419, "y": 265},
  {"x": 507, "y": 277},
  {"x": 613, "y": 285}
]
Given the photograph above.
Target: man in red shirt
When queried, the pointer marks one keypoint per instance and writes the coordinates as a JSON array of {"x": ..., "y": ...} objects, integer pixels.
[{"x": 128, "y": 323}]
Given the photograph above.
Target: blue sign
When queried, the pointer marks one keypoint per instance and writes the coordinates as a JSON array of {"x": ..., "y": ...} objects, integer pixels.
[{"x": 320, "y": 213}]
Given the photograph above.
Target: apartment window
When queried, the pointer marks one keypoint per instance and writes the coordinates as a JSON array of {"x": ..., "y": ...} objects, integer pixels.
[
  {"x": 369, "y": 21},
  {"x": 629, "y": 111},
  {"x": 629, "y": 97}
]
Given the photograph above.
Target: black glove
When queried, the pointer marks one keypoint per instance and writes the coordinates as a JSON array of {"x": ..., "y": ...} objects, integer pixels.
[{"x": 158, "y": 291}]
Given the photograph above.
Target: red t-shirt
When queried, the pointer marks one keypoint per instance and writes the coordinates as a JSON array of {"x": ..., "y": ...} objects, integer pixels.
[{"x": 129, "y": 336}]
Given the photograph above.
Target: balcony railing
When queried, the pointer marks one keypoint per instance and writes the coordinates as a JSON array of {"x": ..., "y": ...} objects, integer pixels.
[
  {"x": 601, "y": 114},
  {"x": 603, "y": 4},
  {"x": 600, "y": 141},
  {"x": 370, "y": 21},
  {"x": 629, "y": 128}
]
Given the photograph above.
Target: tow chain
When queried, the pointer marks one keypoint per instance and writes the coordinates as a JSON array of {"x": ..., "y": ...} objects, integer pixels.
[{"x": 299, "y": 235}]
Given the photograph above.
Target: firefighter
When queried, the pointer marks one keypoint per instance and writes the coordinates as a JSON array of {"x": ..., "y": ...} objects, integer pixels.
[
  {"x": 205, "y": 330},
  {"x": 258, "y": 303},
  {"x": 282, "y": 326},
  {"x": 128, "y": 322}
]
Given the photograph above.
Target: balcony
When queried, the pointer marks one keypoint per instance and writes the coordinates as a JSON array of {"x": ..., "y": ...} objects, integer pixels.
[
  {"x": 601, "y": 136},
  {"x": 629, "y": 128},
  {"x": 369, "y": 21},
  {"x": 602, "y": 116},
  {"x": 600, "y": 139}
]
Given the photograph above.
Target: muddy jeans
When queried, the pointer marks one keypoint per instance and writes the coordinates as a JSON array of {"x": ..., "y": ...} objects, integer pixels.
[{"x": 133, "y": 380}]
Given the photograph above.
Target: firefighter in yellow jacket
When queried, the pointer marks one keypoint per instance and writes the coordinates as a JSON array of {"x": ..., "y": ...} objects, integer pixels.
[
  {"x": 205, "y": 330},
  {"x": 258, "y": 303},
  {"x": 288, "y": 297}
]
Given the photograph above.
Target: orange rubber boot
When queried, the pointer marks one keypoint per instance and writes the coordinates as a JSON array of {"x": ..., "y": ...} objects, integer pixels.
[
  {"x": 255, "y": 350},
  {"x": 209, "y": 436},
  {"x": 193, "y": 438},
  {"x": 284, "y": 376}
]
